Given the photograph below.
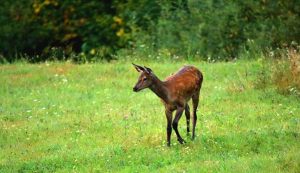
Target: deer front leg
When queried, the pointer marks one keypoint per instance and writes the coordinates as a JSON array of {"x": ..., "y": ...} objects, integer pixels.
[
  {"x": 169, "y": 126},
  {"x": 175, "y": 124}
]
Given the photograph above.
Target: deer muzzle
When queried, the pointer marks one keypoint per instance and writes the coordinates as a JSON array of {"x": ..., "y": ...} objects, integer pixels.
[{"x": 135, "y": 89}]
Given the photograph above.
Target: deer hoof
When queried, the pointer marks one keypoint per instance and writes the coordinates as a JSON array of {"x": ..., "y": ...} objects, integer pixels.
[
  {"x": 181, "y": 141},
  {"x": 193, "y": 137}
]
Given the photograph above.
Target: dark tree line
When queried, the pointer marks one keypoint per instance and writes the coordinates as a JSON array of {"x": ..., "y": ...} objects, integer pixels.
[{"x": 217, "y": 29}]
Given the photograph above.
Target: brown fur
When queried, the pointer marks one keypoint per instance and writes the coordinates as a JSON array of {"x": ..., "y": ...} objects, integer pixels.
[{"x": 183, "y": 85}]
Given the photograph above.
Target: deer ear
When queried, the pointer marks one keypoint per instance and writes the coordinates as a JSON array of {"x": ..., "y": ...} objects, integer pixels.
[
  {"x": 138, "y": 68},
  {"x": 148, "y": 70}
]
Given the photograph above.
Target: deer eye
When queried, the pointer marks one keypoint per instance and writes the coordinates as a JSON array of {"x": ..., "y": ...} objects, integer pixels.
[{"x": 144, "y": 78}]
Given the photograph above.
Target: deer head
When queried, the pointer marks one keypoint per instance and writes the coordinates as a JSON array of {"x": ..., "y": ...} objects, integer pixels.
[{"x": 145, "y": 79}]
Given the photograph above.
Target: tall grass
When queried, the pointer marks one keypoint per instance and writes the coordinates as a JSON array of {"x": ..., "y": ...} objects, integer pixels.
[{"x": 282, "y": 70}]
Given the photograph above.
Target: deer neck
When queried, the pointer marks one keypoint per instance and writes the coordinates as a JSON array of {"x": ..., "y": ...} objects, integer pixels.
[{"x": 159, "y": 88}]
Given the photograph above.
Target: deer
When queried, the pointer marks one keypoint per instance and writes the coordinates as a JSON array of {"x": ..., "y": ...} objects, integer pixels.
[{"x": 175, "y": 92}]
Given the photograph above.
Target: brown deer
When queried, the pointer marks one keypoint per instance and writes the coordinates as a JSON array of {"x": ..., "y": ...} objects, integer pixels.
[{"x": 175, "y": 92}]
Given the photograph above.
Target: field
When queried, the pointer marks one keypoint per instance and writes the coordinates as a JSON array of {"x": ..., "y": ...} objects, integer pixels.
[{"x": 63, "y": 117}]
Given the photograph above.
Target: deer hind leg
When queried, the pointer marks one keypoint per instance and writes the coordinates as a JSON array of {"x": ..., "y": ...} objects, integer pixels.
[
  {"x": 195, "y": 99},
  {"x": 169, "y": 126},
  {"x": 175, "y": 124},
  {"x": 188, "y": 117}
]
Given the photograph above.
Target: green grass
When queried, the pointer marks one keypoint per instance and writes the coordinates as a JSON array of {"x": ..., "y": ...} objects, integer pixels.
[{"x": 61, "y": 117}]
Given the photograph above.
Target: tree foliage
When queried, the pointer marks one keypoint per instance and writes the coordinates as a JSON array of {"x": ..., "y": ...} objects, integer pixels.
[{"x": 217, "y": 29}]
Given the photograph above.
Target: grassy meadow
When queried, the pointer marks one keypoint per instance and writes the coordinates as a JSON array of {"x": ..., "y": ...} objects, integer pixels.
[{"x": 63, "y": 117}]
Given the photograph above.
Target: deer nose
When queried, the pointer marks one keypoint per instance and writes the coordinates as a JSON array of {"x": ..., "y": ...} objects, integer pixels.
[{"x": 135, "y": 89}]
